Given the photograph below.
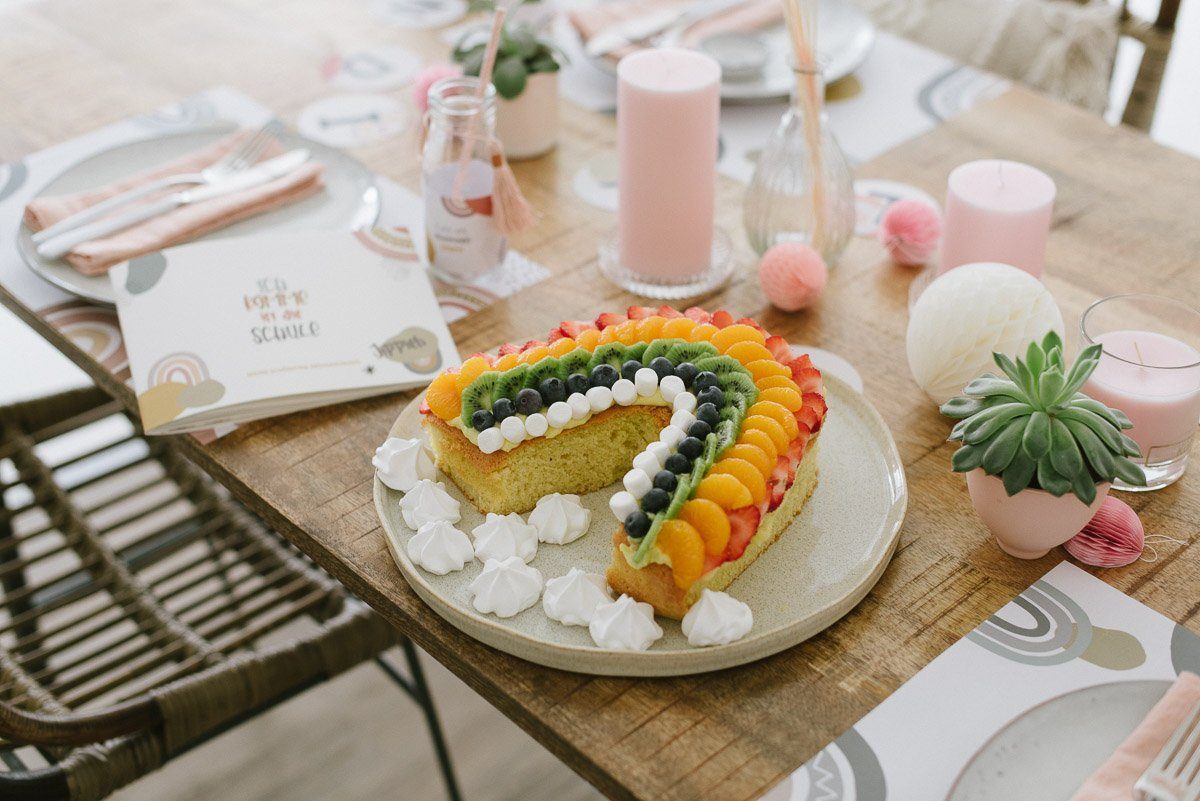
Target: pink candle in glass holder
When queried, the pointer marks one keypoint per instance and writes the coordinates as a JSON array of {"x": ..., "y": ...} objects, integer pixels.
[{"x": 997, "y": 210}]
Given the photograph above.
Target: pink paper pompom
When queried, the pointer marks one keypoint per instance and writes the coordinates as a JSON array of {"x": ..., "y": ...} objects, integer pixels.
[
  {"x": 1113, "y": 538},
  {"x": 910, "y": 230},
  {"x": 792, "y": 275},
  {"x": 426, "y": 78}
]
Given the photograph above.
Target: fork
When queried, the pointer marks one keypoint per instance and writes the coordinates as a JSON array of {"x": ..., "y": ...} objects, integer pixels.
[
  {"x": 1174, "y": 775},
  {"x": 238, "y": 159}
]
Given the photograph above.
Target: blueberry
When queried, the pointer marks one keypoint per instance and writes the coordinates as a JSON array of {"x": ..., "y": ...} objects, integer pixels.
[
  {"x": 704, "y": 380},
  {"x": 482, "y": 420},
  {"x": 678, "y": 463},
  {"x": 691, "y": 447},
  {"x": 552, "y": 390},
  {"x": 661, "y": 365},
  {"x": 577, "y": 383},
  {"x": 713, "y": 395},
  {"x": 656, "y": 500},
  {"x": 687, "y": 372},
  {"x": 502, "y": 408},
  {"x": 529, "y": 401},
  {"x": 629, "y": 368},
  {"x": 604, "y": 375},
  {"x": 637, "y": 524},
  {"x": 699, "y": 430},
  {"x": 707, "y": 412},
  {"x": 665, "y": 480}
]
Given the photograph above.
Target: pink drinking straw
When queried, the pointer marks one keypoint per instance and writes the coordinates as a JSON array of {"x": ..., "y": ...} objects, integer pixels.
[
  {"x": 485, "y": 78},
  {"x": 801, "y": 24}
]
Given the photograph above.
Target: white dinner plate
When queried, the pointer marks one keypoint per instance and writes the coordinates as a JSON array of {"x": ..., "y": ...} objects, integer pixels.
[
  {"x": 348, "y": 201},
  {"x": 1048, "y": 751}
]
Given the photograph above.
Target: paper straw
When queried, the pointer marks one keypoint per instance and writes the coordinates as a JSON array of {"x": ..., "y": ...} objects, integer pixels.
[
  {"x": 801, "y": 24},
  {"x": 485, "y": 79}
]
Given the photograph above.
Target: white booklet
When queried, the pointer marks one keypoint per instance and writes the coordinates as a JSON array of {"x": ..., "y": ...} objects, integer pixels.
[{"x": 240, "y": 329}]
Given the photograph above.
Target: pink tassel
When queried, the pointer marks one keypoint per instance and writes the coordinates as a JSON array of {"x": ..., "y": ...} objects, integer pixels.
[
  {"x": 511, "y": 212},
  {"x": 1113, "y": 538}
]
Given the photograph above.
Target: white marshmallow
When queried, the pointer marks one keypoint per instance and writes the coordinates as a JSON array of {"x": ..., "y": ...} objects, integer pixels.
[
  {"x": 683, "y": 418},
  {"x": 536, "y": 425},
  {"x": 671, "y": 386},
  {"x": 580, "y": 408},
  {"x": 491, "y": 440},
  {"x": 624, "y": 392},
  {"x": 622, "y": 504},
  {"x": 647, "y": 461},
  {"x": 646, "y": 381},
  {"x": 513, "y": 428},
  {"x": 599, "y": 398},
  {"x": 559, "y": 413},
  {"x": 684, "y": 400},
  {"x": 637, "y": 482},
  {"x": 661, "y": 451},
  {"x": 671, "y": 436}
]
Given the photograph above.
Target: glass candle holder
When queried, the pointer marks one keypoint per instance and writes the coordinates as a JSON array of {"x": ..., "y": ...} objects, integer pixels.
[{"x": 1149, "y": 369}]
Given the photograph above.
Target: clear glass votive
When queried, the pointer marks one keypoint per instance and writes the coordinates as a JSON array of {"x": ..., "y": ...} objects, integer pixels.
[{"x": 1149, "y": 369}]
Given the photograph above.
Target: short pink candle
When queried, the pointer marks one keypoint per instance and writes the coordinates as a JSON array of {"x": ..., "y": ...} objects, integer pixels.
[
  {"x": 997, "y": 210},
  {"x": 668, "y": 104}
]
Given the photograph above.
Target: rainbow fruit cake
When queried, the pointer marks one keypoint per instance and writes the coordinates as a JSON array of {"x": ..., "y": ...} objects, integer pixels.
[{"x": 709, "y": 422}]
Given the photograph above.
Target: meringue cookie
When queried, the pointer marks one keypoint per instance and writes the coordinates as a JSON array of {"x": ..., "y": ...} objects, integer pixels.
[
  {"x": 440, "y": 548},
  {"x": 572, "y": 599},
  {"x": 506, "y": 587},
  {"x": 560, "y": 518},
  {"x": 717, "y": 618},
  {"x": 401, "y": 463},
  {"x": 426, "y": 502},
  {"x": 624, "y": 625},
  {"x": 501, "y": 536}
]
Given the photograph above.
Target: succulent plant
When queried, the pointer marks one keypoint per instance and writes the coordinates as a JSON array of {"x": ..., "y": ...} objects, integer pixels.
[
  {"x": 521, "y": 52},
  {"x": 1035, "y": 429}
]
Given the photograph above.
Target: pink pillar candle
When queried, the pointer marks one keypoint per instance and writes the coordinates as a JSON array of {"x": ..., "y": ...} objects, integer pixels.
[
  {"x": 668, "y": 105},
  {"x": 997, "y": 210}
]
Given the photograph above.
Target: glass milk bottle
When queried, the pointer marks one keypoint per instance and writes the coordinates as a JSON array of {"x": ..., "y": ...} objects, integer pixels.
[{"x": 456, "y": 180}]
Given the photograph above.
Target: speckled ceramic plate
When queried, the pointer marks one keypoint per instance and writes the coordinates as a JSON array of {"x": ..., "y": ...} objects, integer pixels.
[{"x": 823, "y": 564}]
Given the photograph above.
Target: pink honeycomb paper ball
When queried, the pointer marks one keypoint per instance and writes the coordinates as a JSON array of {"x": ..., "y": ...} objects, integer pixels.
[
  {"x": 910, "y": 230},
  {"x": 426, "y": 78},
  {"x": 1114, "y": 537},
  {"x": 792, "y": 275}
]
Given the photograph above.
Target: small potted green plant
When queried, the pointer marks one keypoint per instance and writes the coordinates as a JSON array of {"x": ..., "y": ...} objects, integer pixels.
[
  {"x": 1039, "y": 455},
  {"x": 526, "y": 81}
]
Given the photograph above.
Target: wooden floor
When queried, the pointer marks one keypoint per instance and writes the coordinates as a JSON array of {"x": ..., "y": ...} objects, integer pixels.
[{"x": 361, "y": 738}]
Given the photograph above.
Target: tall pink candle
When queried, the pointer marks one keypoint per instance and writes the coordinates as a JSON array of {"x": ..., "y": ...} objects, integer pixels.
[
  {"x": 668, "y": 104},
  {"x": 997, "y": 210}
]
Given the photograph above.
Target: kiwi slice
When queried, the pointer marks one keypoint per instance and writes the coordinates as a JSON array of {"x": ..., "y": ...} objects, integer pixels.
[
  {"x": 735, "y": 406},
  {"x": 613, "y": 353},
  {"x": 721, "y": 365},
  {"x": 659, "y": 347},
  {"x": 741, "y": 384},
  {"x": 683, "y": 491},
  {"x": 541, "y": 370},
  {"x": 574, "y": 362},
  {"x": 635, "y": 351},
  {"x": 510, "y": 382},
  {"x": 726, "y": 433},
  {"x": 478, "y": 395},
  {"x": 691, "y": 352}
]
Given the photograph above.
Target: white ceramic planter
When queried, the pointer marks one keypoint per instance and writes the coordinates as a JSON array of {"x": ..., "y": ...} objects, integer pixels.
[
  {"x": 527, "y": 125},
  {"x": 1027, "y": 525}
]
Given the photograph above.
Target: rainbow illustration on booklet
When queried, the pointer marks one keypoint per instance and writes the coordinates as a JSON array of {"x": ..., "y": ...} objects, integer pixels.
[{"x": 219, "y": 333}]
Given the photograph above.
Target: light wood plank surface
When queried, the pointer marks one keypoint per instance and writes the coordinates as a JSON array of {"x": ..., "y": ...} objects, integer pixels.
[{"x": 1124, "y": 220}]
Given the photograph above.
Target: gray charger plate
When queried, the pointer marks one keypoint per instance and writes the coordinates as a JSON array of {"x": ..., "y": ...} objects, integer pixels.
[
  {"x": 823, "y": 564},
  {"x": 349, "y": 200}
]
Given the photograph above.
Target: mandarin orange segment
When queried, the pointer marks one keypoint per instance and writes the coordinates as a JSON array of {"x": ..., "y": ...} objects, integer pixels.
[
  {"x": 561, "y": 347},
  {"x": 470, "y": 370},
  {"x": 755, "y": 456},
  {"x": 588, "y": 339},
  {"x": 609, "y": 334},
  {"x": 724, "y": 490},
  {"x": 773, "y": 381},
  {"x": 627, "y": 332},
  {"x": 746, "y": 473},
  {"x": 761, "y": 440},
  {"x": 767, "y": 425},
  {"x": 678, "y": 328},
  {"x": 443, "y": 396},
  {"x": 725, "y": 338},
  {"x": 683, "y": 545},
  {"x": 534, "y": 355},
  {"x": 779, "y": 413},
  {"x": 710, "y": 520},
  {"x": 791, "y": 399},
  {"x": 507, "y": 362},
  {"x": 702, "y": 333},
  {"x": 767, "y": 367},
  {"x": 746, "y": 352},
  {"x": 651, "y": 328}
]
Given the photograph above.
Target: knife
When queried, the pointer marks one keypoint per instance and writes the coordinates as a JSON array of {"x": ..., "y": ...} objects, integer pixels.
[{"x": 257, "y": 175}]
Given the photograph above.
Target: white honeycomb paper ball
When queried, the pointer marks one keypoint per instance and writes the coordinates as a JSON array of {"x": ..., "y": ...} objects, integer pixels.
[{"x": 965, "y": 315}]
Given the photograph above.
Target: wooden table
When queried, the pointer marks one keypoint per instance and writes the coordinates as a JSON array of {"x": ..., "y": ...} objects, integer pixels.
[{"x": 1124, "y": 220}]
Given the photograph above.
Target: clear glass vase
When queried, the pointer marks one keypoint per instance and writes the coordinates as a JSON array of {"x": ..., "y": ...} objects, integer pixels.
[{"x": 793, "y": 196}]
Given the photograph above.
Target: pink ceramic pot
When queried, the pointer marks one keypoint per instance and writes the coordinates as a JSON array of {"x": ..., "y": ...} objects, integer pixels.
[
  {"x": 1027, "y": 525},
  {"x": 527, "y": 125}
]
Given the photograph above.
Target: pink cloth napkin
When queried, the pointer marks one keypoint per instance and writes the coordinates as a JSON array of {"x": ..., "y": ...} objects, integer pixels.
[
  {"x": 748, "y": 16},
  {"x": 1113, "y": 781},
  {"x": 182, "y": 224}
]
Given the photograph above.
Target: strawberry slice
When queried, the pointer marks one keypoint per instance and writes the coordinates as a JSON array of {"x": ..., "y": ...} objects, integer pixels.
[
  {"x": 507, "y": 348},
  {"x": 698, "y": 314},
  {"x": 752, "y": 323},
  {"x": 780, "y": 349},
  {"x": 609, "y": 318},
  {"x": 531, "y": 344},
  {"x": 424, "y": 407},
  {"x": 817, "y": 401},
  {"x": 721, "y": 319},
  {"x": 781, "y": 479},
  {"x": 485, "y": 356},
  {"x": 555, "y": 335},
  {"x": 640, "y": 312},
  {"x": 742, "y": 524},
  {"x": 808, "y": 417},
  {"x": 712, "y": 562},
  {"x": 573, "y": 328},
  {"x": 668, "y": 312}
]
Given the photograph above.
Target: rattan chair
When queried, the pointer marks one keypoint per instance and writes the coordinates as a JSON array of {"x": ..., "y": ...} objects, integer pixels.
[{"x": 143, "y": 611}]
